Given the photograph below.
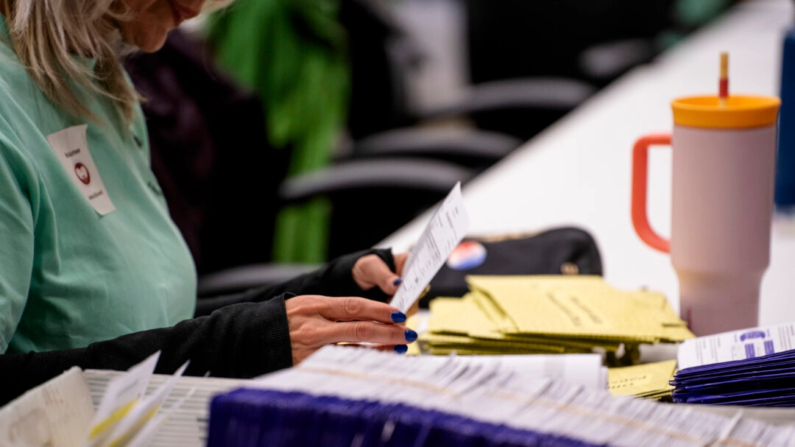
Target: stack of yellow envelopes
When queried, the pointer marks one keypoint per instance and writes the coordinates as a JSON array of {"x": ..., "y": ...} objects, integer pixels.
[
  {"x": 648, "y": 381},
  {"x": 548, "y": 314}
]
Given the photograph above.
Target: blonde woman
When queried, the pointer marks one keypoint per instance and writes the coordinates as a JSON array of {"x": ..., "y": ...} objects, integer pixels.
[{"x": 93, "y": 272}]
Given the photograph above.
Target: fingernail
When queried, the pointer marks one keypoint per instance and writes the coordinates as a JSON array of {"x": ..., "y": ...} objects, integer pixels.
[
  {"x": 398, "y": 282},
  {"x": 401, "y": 349},
  {"x": 398, "y": 317},
  {"x": 410, "y": 335}
]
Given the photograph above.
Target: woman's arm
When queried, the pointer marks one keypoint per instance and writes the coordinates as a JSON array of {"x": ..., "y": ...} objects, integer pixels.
[
  {"x": 19, "y": 189},
  {"x": 333, "y": 279},
  {"x": 239, "y": 341}
]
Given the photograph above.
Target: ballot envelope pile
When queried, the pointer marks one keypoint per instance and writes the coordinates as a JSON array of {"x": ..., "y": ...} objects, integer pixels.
[
  {"x": 752, "y": 367},
  {"x": 548, "y": 314},
  {"x": 360, "y": 397},
  {"x": 60, "y": 412},
  {"x": 645, "y": 381}
]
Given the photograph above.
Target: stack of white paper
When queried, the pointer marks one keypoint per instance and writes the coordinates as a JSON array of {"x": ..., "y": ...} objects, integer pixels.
[
  {"x": 187, "y": 426},
  {"x": 60, "y": 412},
  {"x": 366, "y": 397}
]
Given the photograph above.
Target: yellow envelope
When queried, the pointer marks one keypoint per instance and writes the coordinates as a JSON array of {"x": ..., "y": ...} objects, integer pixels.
[
  {"x": 582, "y": 307},
  {"x": 648, "y": 380},
  {"x": 460, "y": 316}
]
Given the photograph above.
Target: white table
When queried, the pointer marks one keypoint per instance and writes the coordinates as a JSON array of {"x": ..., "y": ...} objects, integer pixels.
[{"x": 577, "y": 172}]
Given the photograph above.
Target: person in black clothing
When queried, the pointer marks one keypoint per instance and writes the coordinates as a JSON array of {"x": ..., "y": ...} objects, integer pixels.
[
  {"x": 253, "y": 333},
  {"x": 62, "y": 290}
]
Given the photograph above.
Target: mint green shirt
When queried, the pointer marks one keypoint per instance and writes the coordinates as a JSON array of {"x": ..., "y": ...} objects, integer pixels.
[{"x": 69, "y": 276}]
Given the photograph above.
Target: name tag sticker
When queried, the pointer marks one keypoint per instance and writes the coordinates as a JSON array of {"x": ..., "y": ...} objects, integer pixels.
[{"x": 71, "y": 147}]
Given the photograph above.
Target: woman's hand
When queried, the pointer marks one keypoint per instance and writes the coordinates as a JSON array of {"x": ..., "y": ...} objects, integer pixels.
[
  {"x": 316, "y": 321},
  {"x": 370, "y": 271}
]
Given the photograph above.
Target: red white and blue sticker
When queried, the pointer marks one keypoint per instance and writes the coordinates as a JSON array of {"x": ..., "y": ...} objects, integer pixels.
[{"x": 468, "y": 255}]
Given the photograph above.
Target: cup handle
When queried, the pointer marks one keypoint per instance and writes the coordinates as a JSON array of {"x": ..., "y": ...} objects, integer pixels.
[{"x": 640, "y": 165}]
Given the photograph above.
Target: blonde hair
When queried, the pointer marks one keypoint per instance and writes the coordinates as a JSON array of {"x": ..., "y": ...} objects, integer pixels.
[{"x": 55, "y": 38}]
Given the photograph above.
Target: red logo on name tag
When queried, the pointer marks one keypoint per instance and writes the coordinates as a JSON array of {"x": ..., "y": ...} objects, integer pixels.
[{"x": 82, "y": 173}]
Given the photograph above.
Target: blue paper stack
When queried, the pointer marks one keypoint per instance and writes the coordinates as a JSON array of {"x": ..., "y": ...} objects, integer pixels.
[
  {"x": 766, "y": 381},
  {"x": 751, "y": 367},
  {"x": 360, "y": 397},
  {"x": 253, "y": 418}
]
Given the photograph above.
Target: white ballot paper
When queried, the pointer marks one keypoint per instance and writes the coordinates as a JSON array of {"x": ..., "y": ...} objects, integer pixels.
[
  {"x": 491, "y": 393},
  {"x": 55, "y": 414},
  {"x": 736, "y": 345},
  {"x": 141, "y": 415},
  {"x": 444, "y": 232},
  {"x": 579, "y": 369}
]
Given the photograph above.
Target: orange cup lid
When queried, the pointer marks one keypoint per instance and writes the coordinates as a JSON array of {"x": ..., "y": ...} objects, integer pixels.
[{"x": 740, "y": 111}]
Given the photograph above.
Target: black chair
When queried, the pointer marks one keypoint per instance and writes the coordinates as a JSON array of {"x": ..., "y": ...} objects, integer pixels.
[
  {"x": 373, "y": 198},
  {"x": 591, "y": 41},
  {"x": 383, "y": 56},
  {"x": 517, "y": 38},
  {"x": 477, "y": 150}
]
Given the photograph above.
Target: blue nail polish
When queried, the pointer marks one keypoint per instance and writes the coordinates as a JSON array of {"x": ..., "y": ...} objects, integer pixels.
[
  {"x": 410, "y": 335},
  {"x": 398, "y": 317},
  {"x": 401, "y": 349},
  {"x": 398, "y": 282}
]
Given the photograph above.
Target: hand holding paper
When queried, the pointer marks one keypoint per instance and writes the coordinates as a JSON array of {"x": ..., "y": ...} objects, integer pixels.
[{"x": 444, "y": 232}]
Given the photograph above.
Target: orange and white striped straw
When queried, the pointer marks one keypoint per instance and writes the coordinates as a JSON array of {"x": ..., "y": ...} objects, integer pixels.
[{"x": 723, "y": 86}]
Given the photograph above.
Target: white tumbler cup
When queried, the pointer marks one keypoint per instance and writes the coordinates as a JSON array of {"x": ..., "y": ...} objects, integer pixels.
[{"x": 722, "y": 205}]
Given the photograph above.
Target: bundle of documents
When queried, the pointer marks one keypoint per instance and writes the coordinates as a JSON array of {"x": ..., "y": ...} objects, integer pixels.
[
  {"x": 186, "y": 425},
  {"x": 548, "y": 314},
  {"x": 346, "y": 397},
  {"x": 647, "y": 381},
  {"x": 752, "y": 367},
  {"x": 60, "y": 413}
]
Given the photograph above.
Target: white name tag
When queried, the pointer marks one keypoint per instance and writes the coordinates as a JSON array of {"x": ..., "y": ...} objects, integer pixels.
[{"x": 71, "y": 147}]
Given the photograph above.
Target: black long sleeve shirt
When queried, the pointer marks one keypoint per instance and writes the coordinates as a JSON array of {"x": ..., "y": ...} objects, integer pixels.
[{"x": 237, "y": 336}]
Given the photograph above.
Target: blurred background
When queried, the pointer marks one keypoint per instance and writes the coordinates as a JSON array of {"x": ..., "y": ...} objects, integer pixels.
[{"x": 285, "y": 133}]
